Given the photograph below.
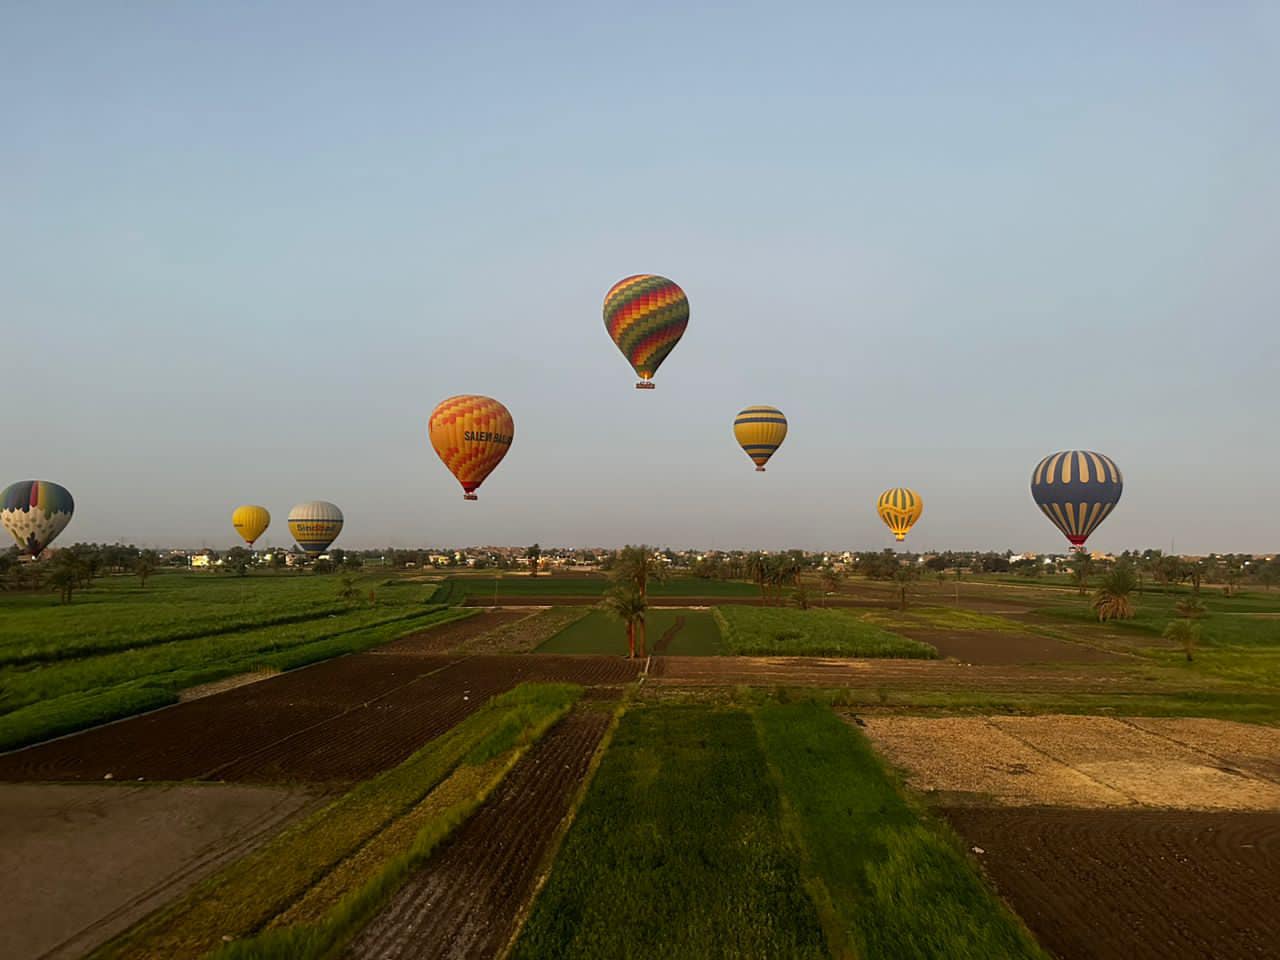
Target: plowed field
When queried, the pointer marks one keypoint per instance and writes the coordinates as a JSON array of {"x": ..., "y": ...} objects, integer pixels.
[
  {"x": 338, "y": 721},
  {"x": 464, "y": 903},
  {"x": 1135, "y": 885}
]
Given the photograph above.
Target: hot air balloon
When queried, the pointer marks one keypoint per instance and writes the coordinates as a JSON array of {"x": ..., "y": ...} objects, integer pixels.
[
  {"x": 315, "y": 525},
  {"x": 250, "y": 522},
  {"x": 1077, "y": 490},
  {"x": 471, "y": 434},
  {"x": 760, "y": 432},
  {"x": 35, "y": 512},
  {"x": 646, "y": 316},
  {"x": 899, "y": 508}
]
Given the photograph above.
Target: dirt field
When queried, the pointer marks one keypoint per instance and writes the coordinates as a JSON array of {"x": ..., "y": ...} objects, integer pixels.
[
  {"x": 1135, "y": 885},
  {"x": 444, "y": 638},
  {"x": 902, "y": 674},
  {"x": 992, "y": 647},
  {"x": 1085, "y": 761},
  {"x": 338, "y": 721},
  {"x": 79, "y": 863},
  {"x": 465, "y": 902}
]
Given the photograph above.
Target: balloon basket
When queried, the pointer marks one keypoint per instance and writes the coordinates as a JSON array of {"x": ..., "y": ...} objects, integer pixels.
[
  {"x": 759, "y": 469},
  {"x": 470, "y": 496},
  {"x": 645, "y": 385}
]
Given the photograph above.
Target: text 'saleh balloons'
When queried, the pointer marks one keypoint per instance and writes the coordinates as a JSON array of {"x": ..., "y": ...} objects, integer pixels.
[
  {"x": 250, "y": 521},
  {"x": 1077, "y": 490},
  {"x": 471, "y": 434},
  {"x": 35, "y": 511},
  {"x": 646, "y": 316},
  {"x": 760, "y": 432},
  {"x": 315, "y": 525},
  {"x": 899, "y": 508}
]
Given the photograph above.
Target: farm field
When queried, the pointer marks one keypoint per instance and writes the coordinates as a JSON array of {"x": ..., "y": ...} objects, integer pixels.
[
  {"x": 674, "y": 632},
  {"x": 515, "y": 589},
  {"x": 783, "y": 631}
]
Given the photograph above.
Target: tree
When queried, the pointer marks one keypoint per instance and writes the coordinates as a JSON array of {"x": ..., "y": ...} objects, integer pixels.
[
  {"x": 146, "y": 565},
  {"x": 347, "y": 591},
  {"x": 757, "y": 567},
  {"x": 533, "y": 555},
  {"x": 1231, "y": 576},
  {"x": 1114, "y": 600},
  {"x": 1081, "y": 567},
  {"x": 627, "y": 604},
  {"x": 830, "y": 578},
  {"x": 1185, "y": 633},
  {"x": 1192, "y": 608},
  {"x": 904, "y": 576},
  {"x": 238, "y": 559},
  {"x": 66, "y": 572},
  {"x": 277, "y": 560},
  {"x": 322, "y": 567},
  {"x": 1269, "y": 575},
  {"x": 632, "y": 570}
]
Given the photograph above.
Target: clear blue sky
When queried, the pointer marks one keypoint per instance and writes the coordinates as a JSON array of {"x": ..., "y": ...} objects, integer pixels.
[{"x": 247, "y": 247}]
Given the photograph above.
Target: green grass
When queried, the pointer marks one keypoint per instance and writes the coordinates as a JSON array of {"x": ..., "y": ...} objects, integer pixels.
[
  {"x": 676, "y": 851},
  {"x": 241, "y": 899},
  {"x": 892, "y": 883},
  {"x": 40, "y": 698},
  {"x": 942, "y": 618},
  {"x": 600, "y": 633},
  {"x": 786, "y": 631}
]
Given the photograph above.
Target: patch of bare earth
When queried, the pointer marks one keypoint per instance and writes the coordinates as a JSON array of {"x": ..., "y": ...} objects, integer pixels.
[
  {"x": 1135, "y": 884},
  {"x": 1083, "y": 761},
  {"x": 80, "y": 863},
  {"x": 447, "y": 636},
  {"x": 466, "y": 901}
]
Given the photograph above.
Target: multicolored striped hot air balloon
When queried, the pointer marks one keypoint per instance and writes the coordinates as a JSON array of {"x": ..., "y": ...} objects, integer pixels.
[
  {"x": 315, "y": 525},
  {"x": 900, "y": 508},
  {"x": 250, "y": 521},
  {"x": 646, "y": 316},
  {"x": 35, "y": 512},
  {"x": 1076, "y": 490},
  {"x": 760, "y": 431},
  {"x": 471, "y": 434}
]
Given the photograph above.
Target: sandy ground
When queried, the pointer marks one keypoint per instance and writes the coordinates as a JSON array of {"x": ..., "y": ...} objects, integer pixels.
[
  {"x": 80, "y": 863},
  {"x": 1075, "y": 761}
]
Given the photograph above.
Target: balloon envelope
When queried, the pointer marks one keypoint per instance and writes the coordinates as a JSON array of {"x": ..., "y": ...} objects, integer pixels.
[
  {"x": 900, "y": 508},
  {"x": 471, "y": 434},
  {"x": 645, "y": 315},
  {"x": 250, "y": 521},
  {"x": 315, "y": 525},
  {"x": 1076, "y": 490},
  {"x": 35, "y": 512},
  {"x": 760, "y": 430}
]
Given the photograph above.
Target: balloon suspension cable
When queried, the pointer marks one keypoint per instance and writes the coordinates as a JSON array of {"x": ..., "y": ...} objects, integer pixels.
[
  {"x": 470, "y": 496},
  {"x": 645, "y": 385}
]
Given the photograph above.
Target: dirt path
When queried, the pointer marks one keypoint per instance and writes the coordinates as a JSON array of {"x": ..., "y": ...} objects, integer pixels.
[
  {"x": 335, "y": 722},
  {"x": 1135, "y": 885},
  {"x": 465, "y": 902},
  {"x": 80, "y": 863},
  {"x": 902, "y": 674},
  {"x": 664, "y": 642}
]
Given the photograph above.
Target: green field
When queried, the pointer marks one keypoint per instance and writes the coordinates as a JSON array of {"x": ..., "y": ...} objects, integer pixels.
[
  {"x": 600, "y": 633},
  {"x": 785, "y": 631},
  {"x": 893, "y": 883},
  {"x": 457, "y": 589},
  {"x": 128, "y": 649},
  {"x": 677, "y": 852}
]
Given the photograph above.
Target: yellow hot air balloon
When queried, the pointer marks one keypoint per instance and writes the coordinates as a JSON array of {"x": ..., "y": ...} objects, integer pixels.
[
  {"x": 471, "y": 434},
  {"x": 899, "y": 508},
  {"x": 250, "y": 521},
  {"x": 760, "y": 431}
]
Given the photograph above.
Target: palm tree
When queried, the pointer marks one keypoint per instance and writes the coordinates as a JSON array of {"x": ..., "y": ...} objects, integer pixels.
[
  {"x": 1114, "y": 601},
  {"x": 628, "y": 606},
  {"x": 758, "y": 570},
  {"x": 1192, "y": 608},
  {"x": 903, "y": 576},
  {"x": 1185, "y": 633},
  {"x": 632, "y": 570},
  {"x": 1081, "y": 567},
  {"x": 830, "y": 578},
  {"x": 145, "y": 565}
]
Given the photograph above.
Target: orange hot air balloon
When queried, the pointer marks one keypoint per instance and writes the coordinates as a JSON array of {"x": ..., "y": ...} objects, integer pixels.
[{"x": 471, "y": 434}]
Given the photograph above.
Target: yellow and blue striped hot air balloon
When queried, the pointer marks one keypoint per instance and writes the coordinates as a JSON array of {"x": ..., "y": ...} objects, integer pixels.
[
  {"x": 1076, "y": 490},
  {"x": 900, "y": 508},
  {"x": 646, "y": 315},
  {"x": 315, "y": 525},
  {"x": 760, "y": 430},
  {"x": 35, "y": 512},
  {"x": 250, "y": 521}
]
